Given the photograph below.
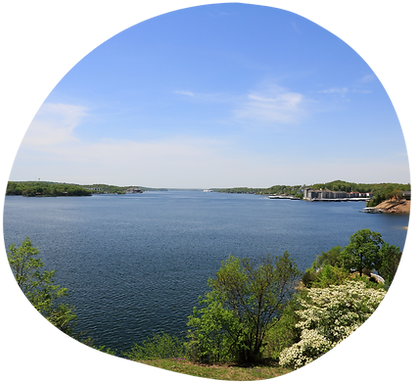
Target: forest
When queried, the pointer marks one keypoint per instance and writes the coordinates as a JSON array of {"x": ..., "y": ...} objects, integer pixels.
[
  {"x": 45, "y": 189},
  {"x": 59, "y": 189}
]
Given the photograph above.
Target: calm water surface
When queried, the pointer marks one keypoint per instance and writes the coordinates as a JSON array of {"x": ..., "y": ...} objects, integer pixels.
[{"x": 136, "y": 264}]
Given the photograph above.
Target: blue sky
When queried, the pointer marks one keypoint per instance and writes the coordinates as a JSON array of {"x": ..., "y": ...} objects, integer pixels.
[{"x": 217, "y": 96}]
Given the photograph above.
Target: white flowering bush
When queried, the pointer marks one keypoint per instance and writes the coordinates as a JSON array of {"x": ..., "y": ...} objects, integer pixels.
[{"x": 328, "y": 316}]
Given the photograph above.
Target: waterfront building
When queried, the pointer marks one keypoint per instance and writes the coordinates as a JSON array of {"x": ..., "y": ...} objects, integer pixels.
[{"x": 324, "y": 195}]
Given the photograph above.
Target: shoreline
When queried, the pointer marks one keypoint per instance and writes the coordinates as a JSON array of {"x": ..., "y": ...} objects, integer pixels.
[{"x": 394, "y": 206}]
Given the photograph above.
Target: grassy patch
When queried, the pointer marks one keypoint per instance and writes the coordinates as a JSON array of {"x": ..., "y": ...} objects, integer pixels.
[{"x": 220, "y": 371}]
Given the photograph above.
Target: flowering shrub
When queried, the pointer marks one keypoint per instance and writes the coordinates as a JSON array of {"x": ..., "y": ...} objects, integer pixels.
[{"x": 328, "y": 316}]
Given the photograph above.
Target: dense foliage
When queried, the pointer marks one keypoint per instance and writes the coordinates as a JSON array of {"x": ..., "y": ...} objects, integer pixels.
[
  {"x": 276, "y": 189},
  {"x": 366, "y": 252},
  {"x": 45, "y": 189},
  {"x": 240, "y": 308},
  {"x": 363, "y": 251},
  {"x": 55, "y": 189}
]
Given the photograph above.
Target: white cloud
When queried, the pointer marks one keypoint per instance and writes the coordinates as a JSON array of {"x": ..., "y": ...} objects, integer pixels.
[
  {"x": 341, "y": 91},
  {"x": 365, "y": 91},
  {"x": 272, "y": 105},
  {"x": 366, "y": 79},
  {"x": 185, "y": 93},
  {"x": 53, "y": 124}
]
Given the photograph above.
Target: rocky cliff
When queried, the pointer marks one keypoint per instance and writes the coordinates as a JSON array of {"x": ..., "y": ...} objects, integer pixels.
[{"x": 394, "y": 206}]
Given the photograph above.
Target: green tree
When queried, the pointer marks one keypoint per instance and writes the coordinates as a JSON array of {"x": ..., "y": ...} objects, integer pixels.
[
  {"x": 241, "y": 307},
  {"x": 309, "y": 277},
  {"x": 283, "y": 332},
  {"x": 389, "y": 261},
  {"x": 214, "y": 330},
  {"x": 39, "y": 287},
  {"x": 329, "y": 276},
  {"x": 363, "y": 251},
  {"x": 331, "y": 257}
]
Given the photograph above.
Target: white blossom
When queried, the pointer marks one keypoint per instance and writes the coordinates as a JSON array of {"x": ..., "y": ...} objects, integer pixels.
[{"x": 330, "y": 315}]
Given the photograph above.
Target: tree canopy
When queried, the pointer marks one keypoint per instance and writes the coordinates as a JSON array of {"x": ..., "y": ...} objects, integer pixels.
[
  {"x": 45, "y": 189},
  {"x": 366, "y": 252},
  {"x": 57, "y": 189},
  {"x": 390, "y": 256},
  {"x": 240, "y": 308},
  {"x": 363, "y": 251}
]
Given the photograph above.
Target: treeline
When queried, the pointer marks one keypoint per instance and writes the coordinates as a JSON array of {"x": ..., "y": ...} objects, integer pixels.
[
  {"x": 296, "y": 190},
  {"x": 113, "y": 189},
  {"x": 108, "y": 189},
  {"x": 240, "y": 190},
  {"x": 55, "y": 189},
  {"x": 45, "y": 189}
]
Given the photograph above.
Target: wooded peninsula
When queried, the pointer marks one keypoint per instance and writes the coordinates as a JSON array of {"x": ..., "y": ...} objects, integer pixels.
[{"x": 60, "y": 189}]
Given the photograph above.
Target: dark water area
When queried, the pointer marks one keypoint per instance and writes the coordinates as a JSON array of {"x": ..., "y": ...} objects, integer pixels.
[{"x": 136, "y": 264}]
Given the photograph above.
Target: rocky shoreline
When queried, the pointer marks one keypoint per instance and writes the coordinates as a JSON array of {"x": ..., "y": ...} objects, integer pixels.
[{"x": 393, "y": 206}]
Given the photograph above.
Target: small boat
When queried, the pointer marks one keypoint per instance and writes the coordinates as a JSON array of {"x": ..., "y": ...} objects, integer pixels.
[
  {"x": 278, "y": 197},
  {"x": 371, "y": 210}
]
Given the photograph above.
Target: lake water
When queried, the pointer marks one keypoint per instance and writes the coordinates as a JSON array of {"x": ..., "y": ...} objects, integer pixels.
[{"x": 136, "y": 264}]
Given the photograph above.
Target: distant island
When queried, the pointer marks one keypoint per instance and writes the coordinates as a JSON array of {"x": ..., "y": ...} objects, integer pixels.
[{"x": 61, "y": 189}]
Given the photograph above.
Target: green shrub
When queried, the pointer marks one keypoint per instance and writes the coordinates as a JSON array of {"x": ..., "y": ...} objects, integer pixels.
[
  {"x": 159, "y": 346},
  {"x": 330, "y": 275},
  {"x": 308, "y": 278},
  {"x": 370, "y": 283}
]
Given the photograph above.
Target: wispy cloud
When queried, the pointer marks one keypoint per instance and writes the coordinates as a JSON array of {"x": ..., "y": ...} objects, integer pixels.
[
  {"x": 271, "y": 105},
  {"x": 53, "y": 124},
  {"x": 295, "y": 27},
  {"x": 358, "y": 86},
  {"x": 185, "y": 93},
  {"x": 366, "y": 79},
  {"x": 362, "y": 91},
  {"x": 342, "y": 91}
]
